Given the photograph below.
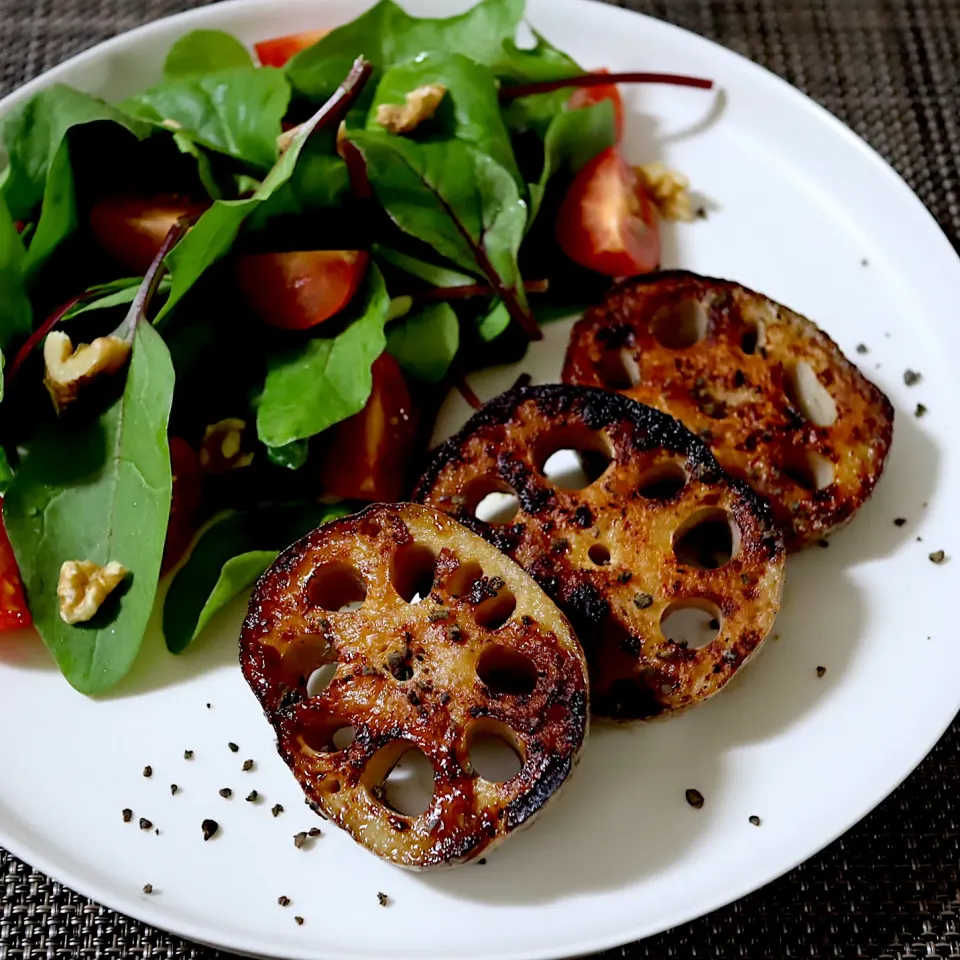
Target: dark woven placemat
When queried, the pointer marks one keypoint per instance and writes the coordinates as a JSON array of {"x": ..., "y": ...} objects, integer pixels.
[{"x": 891, "y": 887}]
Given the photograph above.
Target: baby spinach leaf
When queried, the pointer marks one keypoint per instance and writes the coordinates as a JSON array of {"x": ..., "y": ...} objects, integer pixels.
[
  {"x": 116, "y": 293},
  {"x": 535, "y": 64},
  {"x": 58, "y": 214},
  {"x": 98, "y": 491},
  {"x": 494, "y": 323},
  {"x": 431, "y": 273},
  {"x": 32, "y": 134},
  {"x": 460, "y": 201},
  {"x": 387, "y": 35},
  {"x": 470, "y": 111},
  {"x": 6, "y": 472},
  {"x": 204, "y": 51},
  {"x": 292, "y": 456},
  {"x": 236, "y": 111},
  {"x": 426, "y": 342},
  {"x": 16, "y": 314},
  {"x": 228, "y": 558},
  {"x": 325, "y": 380},
  {"x": 573, "y": 139}
]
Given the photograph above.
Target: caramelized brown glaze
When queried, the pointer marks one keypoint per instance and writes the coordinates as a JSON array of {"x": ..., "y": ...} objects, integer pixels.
[
  {"x": 740, "y": 371},
  {"x": 484, "y": 653},
  {"x": 617, "y": 555}
]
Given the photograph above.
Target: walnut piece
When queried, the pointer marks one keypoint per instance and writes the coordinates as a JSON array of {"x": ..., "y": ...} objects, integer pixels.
[
  {"x": 670, "y": 190},
  {"x": 221, "y": 448},
  {"x": 84, "y": 585},
  {"x": 68, "y": 369},
  {"x": 421, "y": 105}
]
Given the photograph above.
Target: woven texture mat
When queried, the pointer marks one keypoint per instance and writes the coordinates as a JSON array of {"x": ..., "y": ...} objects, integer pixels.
[{"x": 891, "y": 887}]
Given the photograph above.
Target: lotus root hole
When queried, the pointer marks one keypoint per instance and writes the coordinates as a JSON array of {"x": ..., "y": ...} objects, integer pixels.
[
  {"x": 492, "y": 500},
  {"x": 810, "y": 396},
  {"x": 708, "y": 540},
  {"x": 327, "y": 735},
  {"x": 337, "y": 586},
  {"x": 460, "y": 582},
  {"x": 690, "y": 623},
  {"x": 681, "y": 325},
  {"x": 810, "y": 470},
  {"x": 663, "y": 482},
  {"x": 496, "y": 752},
  {"x": 413, "y": 569},
  {"x": 494, "y": 612},
  {"x": 321, "y": 678},
  {"x": 599, "y": 555},
  {"x": 401, "y": 777},
  {"x": 572, "y": 458},
  {"x": 506, "y": 671},
  {"x": 618, "y": 369}
]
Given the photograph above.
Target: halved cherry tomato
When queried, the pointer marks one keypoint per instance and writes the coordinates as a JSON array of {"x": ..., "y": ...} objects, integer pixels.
[
  {"x": 132, "y": 229},
  {"x": 588, "y": 96},
  {"x": 185, "y": 503},
  {"x": 607, "y": 221},
  {"x": 14, "y": 613},
  {"x": 276, "y": 52},
  {"x": 369, "y": 453},
  {"x": 296, "y": 291}
]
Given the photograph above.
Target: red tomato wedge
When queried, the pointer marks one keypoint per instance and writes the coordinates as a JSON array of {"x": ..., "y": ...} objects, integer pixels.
[
  {"x": 588, "y": 96},
  {"x": 132, "y": 229},
  {"x": 14, "y": 613},
  {"x": 185, "y": 503},
  {"x": 296, "y": 291},
  {"x": 276, "y": 52},
  {"x": 607, "y": 221},
  {"x": 369, "y": 453}
]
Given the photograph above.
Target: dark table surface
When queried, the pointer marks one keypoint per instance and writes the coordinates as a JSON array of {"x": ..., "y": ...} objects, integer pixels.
[{"x": 891, "y": 886}]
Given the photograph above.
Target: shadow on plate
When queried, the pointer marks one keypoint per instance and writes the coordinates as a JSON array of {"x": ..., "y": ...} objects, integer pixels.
[
  {"x": 631, "y": 815},
  {"x": 156, "y": 667}
]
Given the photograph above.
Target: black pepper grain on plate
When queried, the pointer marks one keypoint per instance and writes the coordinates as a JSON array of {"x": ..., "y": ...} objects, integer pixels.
[
  {"x": 226, "y": 792},
  {"x": 210, "y": 828},
  {"x": 233, "y": 747},
  {"x": 187, "y": 754},
  {"x": 694, "y": 798},
  {"x": 921, "y": 411},
  {"x": 300, "y": 839},
  {"x": 276, "y": 809},
  {"x": 912, "y": 377},
  {"x": 382, "y": 899},
  {"x": 900, "y": 521},
  {"x": 299, "y": 921},
  {"x": 284, "y": 901},
  {"x": 145, "y": 824},
  {"x": 127, "y": 814},
  {"x": 148, "y": 771},
  {"x": 313, "y": 832},
  {"x": 755, "y": 820},
  {"x": 938, "y": 556},
  {"x": 252, "y": 796},
  {"x": 173, "y": 789},
  {"x": 247, "y": 766},
  {"x": 823, "y": 544},
  {"x": 148, "y": 888},
  {"x": 862, "y": 348},
  {"x": 821, "y": 671}
]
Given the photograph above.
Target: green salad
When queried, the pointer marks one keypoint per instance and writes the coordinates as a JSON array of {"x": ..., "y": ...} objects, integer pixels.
[{"x": 230, "y": 304}]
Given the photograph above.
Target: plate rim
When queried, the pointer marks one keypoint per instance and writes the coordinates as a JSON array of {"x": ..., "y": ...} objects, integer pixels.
[{"x": 209, "y": 15}]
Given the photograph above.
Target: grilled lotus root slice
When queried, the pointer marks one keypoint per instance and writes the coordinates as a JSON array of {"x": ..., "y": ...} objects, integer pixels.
[
  {"x": 770, "y": 392},
  {"x": 483, "y": 654},
  {"x": 662, "y": 529}
]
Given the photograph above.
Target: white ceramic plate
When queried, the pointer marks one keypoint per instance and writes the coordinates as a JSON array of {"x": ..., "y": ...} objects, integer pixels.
[{"x": 801, "y": 209}]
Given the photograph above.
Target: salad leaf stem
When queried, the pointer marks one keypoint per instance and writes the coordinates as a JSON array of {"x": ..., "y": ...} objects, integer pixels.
[
  {"x": 466, "y": 391},
  {"x": 508, "y": 94},
  {"x": 39, "y": 334}
]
